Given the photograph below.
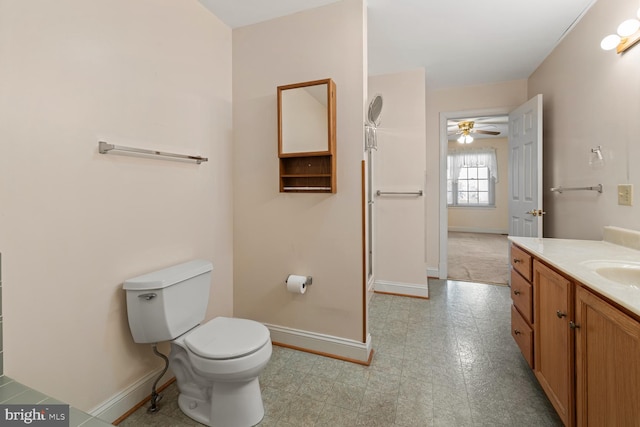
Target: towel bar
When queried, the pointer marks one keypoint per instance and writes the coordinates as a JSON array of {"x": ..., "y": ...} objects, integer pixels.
[{"x": 104, "y": 148}]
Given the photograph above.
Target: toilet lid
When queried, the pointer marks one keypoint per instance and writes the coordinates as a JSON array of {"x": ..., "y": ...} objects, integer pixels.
[{"x": 227, "y": 338}]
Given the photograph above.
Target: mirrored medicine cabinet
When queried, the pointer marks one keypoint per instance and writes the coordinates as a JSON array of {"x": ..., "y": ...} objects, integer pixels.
[{"x": 307, "y": 137}]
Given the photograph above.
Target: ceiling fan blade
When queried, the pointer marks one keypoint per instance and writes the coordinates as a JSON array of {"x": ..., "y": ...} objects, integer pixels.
[
  {"x": 492, "y": 120},
  {"x": 486, "y": 132},
  {"x": 484, "y": 126}
]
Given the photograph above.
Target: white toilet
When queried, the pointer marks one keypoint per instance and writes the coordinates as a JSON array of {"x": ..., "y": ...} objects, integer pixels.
[{"x": 216, "y": 364}]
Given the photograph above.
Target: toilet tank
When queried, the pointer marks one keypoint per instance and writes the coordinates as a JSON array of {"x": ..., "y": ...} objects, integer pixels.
[{"x": 164, "y": 304}]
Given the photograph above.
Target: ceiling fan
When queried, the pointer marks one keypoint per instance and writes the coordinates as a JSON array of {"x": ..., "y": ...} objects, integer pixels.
[{"x": 466, "y": 127}]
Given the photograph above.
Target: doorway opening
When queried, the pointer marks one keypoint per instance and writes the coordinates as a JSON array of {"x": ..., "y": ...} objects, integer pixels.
[{"x": 474, "y": 220}]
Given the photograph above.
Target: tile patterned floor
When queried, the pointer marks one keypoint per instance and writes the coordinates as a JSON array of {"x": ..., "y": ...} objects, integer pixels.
[{"x": 447, "y": 361}]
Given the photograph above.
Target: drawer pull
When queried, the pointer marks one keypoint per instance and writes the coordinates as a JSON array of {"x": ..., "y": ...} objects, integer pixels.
[
  {"x": 573, "y": 325},
  {"x": 517, "y": 292},
  {"x": 560, "y": 314},
  {"x": 516, "y": 260},
  {"x": 517, "y": 332}
]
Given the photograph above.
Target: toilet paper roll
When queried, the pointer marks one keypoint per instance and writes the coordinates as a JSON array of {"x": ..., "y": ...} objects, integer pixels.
[{"x": 297, "y": 284}]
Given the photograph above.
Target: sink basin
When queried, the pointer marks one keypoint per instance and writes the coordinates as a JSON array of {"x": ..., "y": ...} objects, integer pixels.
[{"x": 623, "y": 272}]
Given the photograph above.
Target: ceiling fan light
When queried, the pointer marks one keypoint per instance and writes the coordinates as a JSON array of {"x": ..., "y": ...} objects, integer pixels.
[
  {"x": 461, "y": 139},
  {"x": 468, "y": 139},
  {"x": 628, "y": 27},
  {"x": 610, "y": 42}
]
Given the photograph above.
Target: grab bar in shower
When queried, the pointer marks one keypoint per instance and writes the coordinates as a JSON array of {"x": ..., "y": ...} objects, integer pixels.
[
  {"x": 405, "y": 193},
  {"x": 105, "y": 148},
  {"x": 560, "y": 189}
]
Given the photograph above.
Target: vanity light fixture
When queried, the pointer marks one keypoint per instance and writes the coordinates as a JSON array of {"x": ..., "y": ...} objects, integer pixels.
[{"x": 628, "y": 34}]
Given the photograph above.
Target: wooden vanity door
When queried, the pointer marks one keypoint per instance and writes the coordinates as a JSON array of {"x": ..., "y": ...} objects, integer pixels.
[
  {"x": 607, "y": 364},
  {"x": 553, "y": 349}
]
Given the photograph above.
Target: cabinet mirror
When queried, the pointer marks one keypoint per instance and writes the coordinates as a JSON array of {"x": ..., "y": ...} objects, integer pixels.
[{"x": 306, "y": 118}]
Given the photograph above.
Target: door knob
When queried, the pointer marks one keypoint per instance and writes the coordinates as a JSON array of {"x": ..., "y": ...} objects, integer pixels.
[{"x": 536, "y": 212}]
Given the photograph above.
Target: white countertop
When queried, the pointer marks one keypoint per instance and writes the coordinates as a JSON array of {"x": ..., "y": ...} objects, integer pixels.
[{"x": 569, "y": 257}]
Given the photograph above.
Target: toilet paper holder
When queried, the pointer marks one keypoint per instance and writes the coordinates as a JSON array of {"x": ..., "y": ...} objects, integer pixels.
[{"x": 307, "y": 282}]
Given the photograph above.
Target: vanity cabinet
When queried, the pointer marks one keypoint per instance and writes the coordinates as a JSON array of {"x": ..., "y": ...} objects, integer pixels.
[
  {"x": 607, "y": 363},
  {"x": 586, "y": 349},
  {"x": 522, "y": 298},
  {"x": 553, "y": 354}
]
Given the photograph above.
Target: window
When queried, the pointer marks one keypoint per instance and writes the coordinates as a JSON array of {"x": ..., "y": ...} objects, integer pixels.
[{"x": 471, "y": 177}]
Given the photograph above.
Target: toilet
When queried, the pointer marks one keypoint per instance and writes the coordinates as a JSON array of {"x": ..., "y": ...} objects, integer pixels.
[{"x": 217, "y": 363}]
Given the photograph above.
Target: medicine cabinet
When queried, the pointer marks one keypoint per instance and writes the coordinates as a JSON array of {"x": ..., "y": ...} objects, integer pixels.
[{"x": 307, "y": 137}]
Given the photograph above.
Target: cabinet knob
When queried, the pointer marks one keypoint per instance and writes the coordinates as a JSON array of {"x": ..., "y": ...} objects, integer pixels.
[
  {"x": 517, "y": 292},
  {"x": 560, "y": 314},
  {"x": 517, "y": 332},
  {"x": 516, "y": 260},
  {"x": 572, "y": 325}
]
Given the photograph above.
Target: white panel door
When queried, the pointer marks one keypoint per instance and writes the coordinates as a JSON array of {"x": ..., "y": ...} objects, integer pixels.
[{"x": 525, "y": 174}]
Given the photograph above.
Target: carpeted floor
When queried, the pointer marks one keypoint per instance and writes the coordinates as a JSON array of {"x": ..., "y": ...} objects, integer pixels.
[{"x": 478, "y": 257}]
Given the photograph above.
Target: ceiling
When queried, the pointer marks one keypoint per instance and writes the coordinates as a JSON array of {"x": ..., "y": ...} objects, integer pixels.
[{"x": 458, "y": 43}]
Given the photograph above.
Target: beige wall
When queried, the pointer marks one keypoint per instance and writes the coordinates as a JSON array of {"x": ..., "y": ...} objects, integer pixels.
[
  {"x": 74, "y": 223},
  {"x": 590, "y": 99},
  {"x": 486, "y": 220},
  {"x": 505, "y": 95},
  {"x": 275, "y": 233},
  {"x": 399, "y": 165}
]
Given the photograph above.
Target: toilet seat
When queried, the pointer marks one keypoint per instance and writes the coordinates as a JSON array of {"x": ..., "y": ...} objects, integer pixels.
[{"x": 224, "y": 338}]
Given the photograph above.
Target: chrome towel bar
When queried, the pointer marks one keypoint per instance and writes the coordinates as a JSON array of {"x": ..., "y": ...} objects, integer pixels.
[
  {"x": 406, "y": 193},
  {"x": 560, "y": 189},
  {"x": 104, "y": 148}
]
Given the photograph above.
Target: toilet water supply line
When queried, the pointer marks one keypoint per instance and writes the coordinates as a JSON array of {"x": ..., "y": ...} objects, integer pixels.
[{"x": 155, "y": 397}]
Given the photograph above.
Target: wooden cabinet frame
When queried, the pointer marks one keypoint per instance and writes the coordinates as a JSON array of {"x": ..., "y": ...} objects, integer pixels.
[
  {"x": 586, "y": 348},
  {"x": 308, "y": 169}
]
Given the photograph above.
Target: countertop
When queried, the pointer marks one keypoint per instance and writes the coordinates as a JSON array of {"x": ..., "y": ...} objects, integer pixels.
[{"x": 569, "y": 256}]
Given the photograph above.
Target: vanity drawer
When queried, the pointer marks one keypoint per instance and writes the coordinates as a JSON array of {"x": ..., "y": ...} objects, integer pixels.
[
  {"x": 523, "y": 334},
  {"x": 522, "y": 296},
  {"x": 521, "y": 261}
]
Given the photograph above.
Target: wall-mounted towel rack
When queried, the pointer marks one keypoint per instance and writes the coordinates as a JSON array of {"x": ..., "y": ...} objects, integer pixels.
[
  {"x": 104, "y": 148},
  {"x": 405, "y": 193},
  {"x": 560, "y": 189}
]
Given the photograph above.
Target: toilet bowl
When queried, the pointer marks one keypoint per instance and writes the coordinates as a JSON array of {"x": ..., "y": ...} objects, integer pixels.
[
  {"x": 216, "y": 363},
  {"x": 217, "y": 366}
]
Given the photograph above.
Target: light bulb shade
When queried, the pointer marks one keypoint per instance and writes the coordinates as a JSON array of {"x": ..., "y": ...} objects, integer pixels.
[
  {"x": 468, "y": 139},
  {"x": 461, "y": 139},
  {"x": 628, "y": 27},
  {"x": 610, "y": 42}
]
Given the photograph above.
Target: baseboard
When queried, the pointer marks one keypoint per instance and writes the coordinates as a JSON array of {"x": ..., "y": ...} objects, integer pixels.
[
  {"x": 479, "y": 230},
  {"x": 122, "y": 402},
  {"x": 408, "y": 289},
  {"x": 433, "y": 272},
  {"x": 328, "y": 345}
]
